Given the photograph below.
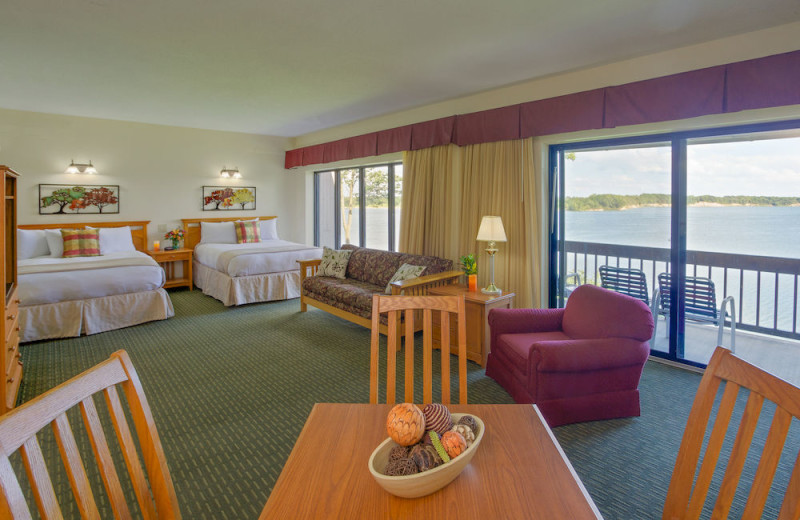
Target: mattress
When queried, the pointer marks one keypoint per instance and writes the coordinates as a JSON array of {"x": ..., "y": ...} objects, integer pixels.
[
  {"x": 67, "y": 279},
  {"x": 269, "y": 256}
]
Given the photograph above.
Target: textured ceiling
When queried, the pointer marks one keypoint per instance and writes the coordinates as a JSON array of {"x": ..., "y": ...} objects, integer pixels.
[{"x": 289, "y": 67}]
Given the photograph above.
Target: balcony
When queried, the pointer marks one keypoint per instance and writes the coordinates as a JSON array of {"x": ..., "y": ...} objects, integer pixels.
[{"x": 765, "y": 290}]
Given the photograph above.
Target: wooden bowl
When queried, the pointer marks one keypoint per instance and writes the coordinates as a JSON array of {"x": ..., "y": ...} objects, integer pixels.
[{"x": 425, "y": 483}]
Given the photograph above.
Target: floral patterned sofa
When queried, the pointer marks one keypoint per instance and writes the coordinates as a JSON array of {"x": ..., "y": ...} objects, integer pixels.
[{"x": 368, "y": 273}]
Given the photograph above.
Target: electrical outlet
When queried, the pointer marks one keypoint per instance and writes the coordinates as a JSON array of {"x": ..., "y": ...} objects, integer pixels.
[{"x": 162, "y": 228}]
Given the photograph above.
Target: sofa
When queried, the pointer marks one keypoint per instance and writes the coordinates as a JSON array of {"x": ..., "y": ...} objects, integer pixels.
[
  {"x": 579, "y": 363},
  {"x": 368, "y": 273}
]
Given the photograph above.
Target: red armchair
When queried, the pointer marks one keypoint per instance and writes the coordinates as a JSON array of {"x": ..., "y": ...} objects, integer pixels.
[{"x": 579, "y": 363}]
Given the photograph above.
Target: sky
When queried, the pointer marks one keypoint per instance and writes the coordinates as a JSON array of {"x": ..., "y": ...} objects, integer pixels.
[{"x": 764, "y": 167}]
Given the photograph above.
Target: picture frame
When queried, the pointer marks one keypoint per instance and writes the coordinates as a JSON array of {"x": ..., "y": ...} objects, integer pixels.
[
  {"x": 227, "y": 198},
  {"x": 84, "y": 199}
]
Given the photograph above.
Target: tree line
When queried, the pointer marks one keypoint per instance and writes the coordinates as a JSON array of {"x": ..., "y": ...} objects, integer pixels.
[{"x": 607, "y": 201}]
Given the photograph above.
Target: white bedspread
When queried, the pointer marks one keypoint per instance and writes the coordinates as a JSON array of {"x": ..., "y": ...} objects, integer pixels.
[
  {"x": 270, "y": 256},
  {"x": 108, "y": 275}
]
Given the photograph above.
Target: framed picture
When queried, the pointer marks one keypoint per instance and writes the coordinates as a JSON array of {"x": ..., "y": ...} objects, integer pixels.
[
  {"x": 219, "y": 198},
  {"x": 62, "y": 199}
]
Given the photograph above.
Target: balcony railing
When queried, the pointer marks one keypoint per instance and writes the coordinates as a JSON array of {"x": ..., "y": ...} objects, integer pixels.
[{"x": 765, "y": 288}]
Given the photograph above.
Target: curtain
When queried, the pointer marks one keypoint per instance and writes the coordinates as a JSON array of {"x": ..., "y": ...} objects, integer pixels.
[{"x": 446, "y": 192}]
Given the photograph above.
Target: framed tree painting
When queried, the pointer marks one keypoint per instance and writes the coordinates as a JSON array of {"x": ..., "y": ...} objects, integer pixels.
[
  {"x": 77, "y": 198},
  {"x": 218, "y": 198}
]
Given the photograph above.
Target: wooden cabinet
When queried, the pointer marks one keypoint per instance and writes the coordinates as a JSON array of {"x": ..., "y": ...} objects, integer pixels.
[
  {"x": 477, "y": 310},
  {"x": 168, "y": 259},
  {"x": 10, "y": 357}
]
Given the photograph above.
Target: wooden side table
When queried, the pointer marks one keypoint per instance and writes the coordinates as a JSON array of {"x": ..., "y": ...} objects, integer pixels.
[
  {"x": 477, "y": 310},
  {"x": 168, "y": 259}
]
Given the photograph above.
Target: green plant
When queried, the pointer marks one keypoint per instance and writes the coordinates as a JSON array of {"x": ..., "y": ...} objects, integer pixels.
[{"x": 468, "y": 264}]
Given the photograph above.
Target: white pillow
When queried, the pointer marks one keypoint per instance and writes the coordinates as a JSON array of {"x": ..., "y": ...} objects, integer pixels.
[
  {"x": 31, "y": 243},
  {"x": 116, "y": 240},
  {"x": 269, "y": 229},
  {"x": 55, "y": 242},
  {"x": 217, "y": 233}
]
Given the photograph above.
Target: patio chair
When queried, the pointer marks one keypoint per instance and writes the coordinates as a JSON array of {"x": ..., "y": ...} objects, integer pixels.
[
  {"x": 700, "y": 305},
  {"x": 624, "y": 280}
]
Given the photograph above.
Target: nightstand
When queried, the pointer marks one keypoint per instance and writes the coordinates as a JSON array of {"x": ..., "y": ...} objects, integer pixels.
[
  {"x": 477, "y": 307},
  {"x": 168, "y": 259}
]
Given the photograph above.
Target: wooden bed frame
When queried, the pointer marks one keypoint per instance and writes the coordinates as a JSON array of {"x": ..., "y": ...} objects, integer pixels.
[
  {"x": 138, "y": 229},
  {"x": 191, "y": 227}
]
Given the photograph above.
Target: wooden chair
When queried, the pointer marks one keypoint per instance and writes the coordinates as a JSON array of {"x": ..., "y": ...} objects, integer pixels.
[
  {"x": 393, "y": 306},
  {"x": 687, "y": 495},
  {"x": 18, "y": 431}
]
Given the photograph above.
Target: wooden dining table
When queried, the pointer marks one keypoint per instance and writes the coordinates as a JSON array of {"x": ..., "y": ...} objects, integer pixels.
[{"x": 519, "y": 470}]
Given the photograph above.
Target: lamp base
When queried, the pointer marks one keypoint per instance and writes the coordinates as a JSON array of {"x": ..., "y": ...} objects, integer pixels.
[{"x": 492, "y": 289}]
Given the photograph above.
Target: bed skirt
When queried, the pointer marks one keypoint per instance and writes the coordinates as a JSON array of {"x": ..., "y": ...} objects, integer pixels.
[
  {"x": 73, "y": 318},
  {"x": 246, "y": 289}
]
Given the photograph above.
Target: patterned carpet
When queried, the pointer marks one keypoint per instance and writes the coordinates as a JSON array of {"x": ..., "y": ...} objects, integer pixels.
[{"x": 230, "y": 389}]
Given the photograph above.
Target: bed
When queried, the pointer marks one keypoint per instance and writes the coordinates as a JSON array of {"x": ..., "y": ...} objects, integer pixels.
[
  {"x": 66, "y": 297},
  {"x": 236, "y": 274}
]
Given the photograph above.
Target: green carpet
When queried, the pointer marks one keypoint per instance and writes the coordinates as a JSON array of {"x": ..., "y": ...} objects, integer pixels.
[{"x": 230, "y": 389}]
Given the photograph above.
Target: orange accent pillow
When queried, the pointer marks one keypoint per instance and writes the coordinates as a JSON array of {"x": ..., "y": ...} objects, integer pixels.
[
  {"x": 80, "y": 242},
  {"x": 248, "y": 231}
]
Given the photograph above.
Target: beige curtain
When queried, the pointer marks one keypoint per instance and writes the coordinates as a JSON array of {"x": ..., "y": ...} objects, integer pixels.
[{"x": 446, "y": 192}]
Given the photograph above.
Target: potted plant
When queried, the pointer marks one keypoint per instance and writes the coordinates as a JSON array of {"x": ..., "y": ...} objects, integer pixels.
[{"x": 470, "y": 268}]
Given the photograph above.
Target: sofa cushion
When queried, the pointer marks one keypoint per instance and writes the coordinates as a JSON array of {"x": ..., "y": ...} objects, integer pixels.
[
  {"x": 377, "y": 267},
  {"x": 334, "y": 262},
  {"x": 350, "y": 295}
]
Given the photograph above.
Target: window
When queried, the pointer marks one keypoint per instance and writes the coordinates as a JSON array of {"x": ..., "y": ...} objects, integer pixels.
[{"x": 359, "y": 206}]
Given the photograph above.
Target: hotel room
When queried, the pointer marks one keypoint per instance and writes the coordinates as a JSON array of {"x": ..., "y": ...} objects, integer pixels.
[{"x": 381, "y": 127}]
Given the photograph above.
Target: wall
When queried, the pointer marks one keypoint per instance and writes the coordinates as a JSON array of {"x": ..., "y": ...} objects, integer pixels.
[{"x": 160, "y": 169}]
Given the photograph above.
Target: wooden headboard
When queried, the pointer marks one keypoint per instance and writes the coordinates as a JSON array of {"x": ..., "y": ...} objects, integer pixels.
[
  {"x": 191, "y": 226},
  {"x": 138, "y": 229}
]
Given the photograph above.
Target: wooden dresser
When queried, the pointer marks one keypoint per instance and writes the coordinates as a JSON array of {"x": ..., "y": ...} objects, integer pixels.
[{"x": 10, "y": 356}]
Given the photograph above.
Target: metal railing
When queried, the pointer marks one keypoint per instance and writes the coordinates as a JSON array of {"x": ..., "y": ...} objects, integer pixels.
[{"x": 765, "y": 288}]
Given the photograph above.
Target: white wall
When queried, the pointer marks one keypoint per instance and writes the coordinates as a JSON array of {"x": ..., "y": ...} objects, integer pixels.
[{"x": 160, "y": 169}]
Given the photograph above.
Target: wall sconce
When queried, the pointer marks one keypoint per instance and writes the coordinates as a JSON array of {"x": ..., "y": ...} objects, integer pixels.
[
  {"x": 230, "y": 172},
  {"x": 81, "y": 168}
]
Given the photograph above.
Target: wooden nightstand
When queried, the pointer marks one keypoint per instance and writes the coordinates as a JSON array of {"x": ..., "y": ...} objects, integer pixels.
[
  {"x": 168, "y": 259},
  {"x": 477, "y": 310}
]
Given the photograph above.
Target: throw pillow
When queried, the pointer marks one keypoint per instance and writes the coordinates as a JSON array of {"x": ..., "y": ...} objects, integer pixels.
[
  {"x": 31, "y": 243},
  {"x": 334, "y": 262},
  {"x": 247, "y": 231},
  {"x": 404, "y": 272},
  {"x": 116, "y": 240},
  {"x": 80, "y": 242}
]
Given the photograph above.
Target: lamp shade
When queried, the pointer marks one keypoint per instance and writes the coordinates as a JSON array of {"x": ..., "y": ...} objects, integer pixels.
[{"x": 491, "y": 229}]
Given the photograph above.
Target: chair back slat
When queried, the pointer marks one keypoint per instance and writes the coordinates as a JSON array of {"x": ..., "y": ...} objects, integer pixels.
[
  {"x": 424, "y": 306},
  {"x": 19, "y": 428},
  {"x": 687, "y": 495},
  {"x": 39, "y": 477},
  {"x": 632, "y": 282},
  {"x": 700, "y": 297},
  {"x": 132, "y": 462},
  {"x": 104, "y": 461},
  {"x": 73, "y": 463}
]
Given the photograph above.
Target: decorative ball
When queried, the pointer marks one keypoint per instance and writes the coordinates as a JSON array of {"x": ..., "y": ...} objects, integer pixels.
[
  {"x": 469, "y": 421},
  {"x": 465, "y": 431},
  {"x": 405, "y": 424},
  {"x": 437, "y": 418},
  {"x": 398, "y": 452},
  {"x": 454, "y": 443},
  {"x": 400, "y": 467},
  {"x": 425, "y": 457}
]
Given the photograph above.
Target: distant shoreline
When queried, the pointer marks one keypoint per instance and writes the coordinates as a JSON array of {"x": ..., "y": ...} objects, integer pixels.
[{"x": 610, "y": 202}]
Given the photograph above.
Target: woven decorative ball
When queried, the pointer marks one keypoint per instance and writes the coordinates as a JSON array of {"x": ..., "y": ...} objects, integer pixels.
[
  {"x": 454, "y": 443},
  {"x": 437, "y": 418},
  {"x": 398, "y": 452},
  {"x": 469, "y": 421},
  {"x": 405, "y": 424},
  {"x": 465, "y": 431},
  {"x": 425, "y": 457},
  {"x": 400, "y": 467}
]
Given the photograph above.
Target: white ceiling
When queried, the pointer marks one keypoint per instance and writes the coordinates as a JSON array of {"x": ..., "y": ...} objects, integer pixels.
[{"x": 290, "y": 67}]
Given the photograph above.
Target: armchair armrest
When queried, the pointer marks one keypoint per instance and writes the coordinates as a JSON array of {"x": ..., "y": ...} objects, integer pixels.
[
  {"x": 419, "y": 286},
  {"x": 515, "y": 321},
  {"x": 582, "y": 355}
]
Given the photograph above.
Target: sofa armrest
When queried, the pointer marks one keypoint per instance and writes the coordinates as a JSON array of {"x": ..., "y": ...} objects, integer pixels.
[
  {"x": 308, "y": 268},
  {"x": 583, "y": 355},
  {"x": 419, "y": 286}
]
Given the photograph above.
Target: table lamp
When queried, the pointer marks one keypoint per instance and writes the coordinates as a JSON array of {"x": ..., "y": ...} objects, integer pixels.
[{"x": 491, "y": 231}]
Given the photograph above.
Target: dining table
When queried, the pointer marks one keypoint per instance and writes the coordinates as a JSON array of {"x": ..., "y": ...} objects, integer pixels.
[{"x": 518, "y": 471}]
